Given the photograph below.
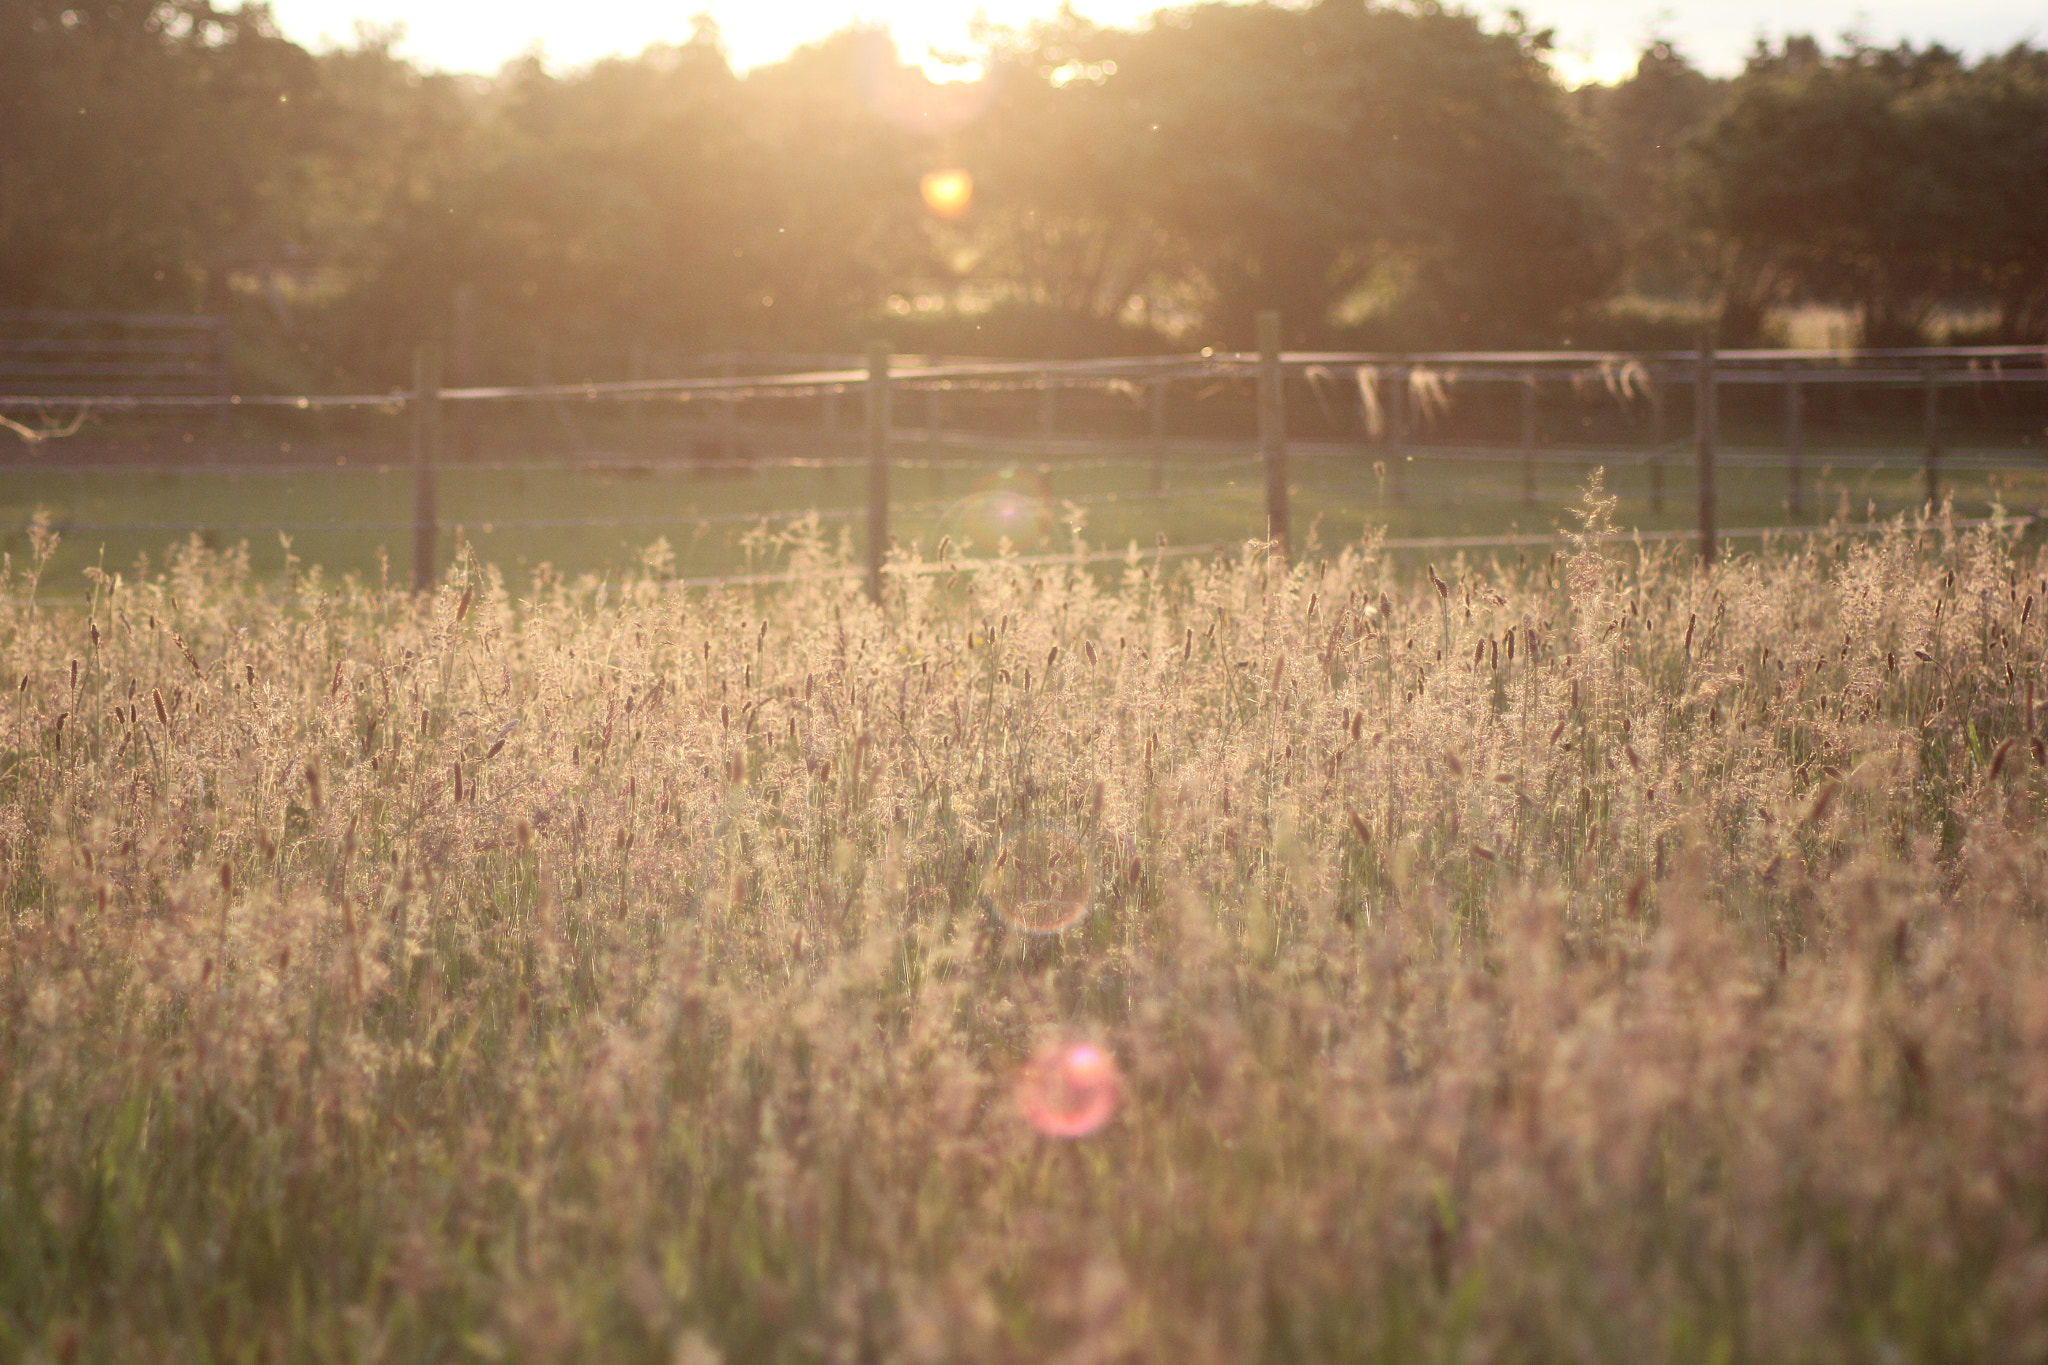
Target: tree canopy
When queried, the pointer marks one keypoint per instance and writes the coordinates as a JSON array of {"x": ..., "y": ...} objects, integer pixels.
[
  {"x": 1396, "y": 175},
  {"x": 1893, "y": 179}
]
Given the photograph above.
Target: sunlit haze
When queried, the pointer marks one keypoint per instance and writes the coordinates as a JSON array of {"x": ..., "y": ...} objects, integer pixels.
[{"x": 1596, "y": 39}]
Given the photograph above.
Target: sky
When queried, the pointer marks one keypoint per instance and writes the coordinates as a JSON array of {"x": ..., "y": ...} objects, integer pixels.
[{"x": 1596, "y": 39}]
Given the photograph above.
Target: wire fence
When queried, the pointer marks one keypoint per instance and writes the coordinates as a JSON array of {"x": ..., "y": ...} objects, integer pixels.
[{"x": 1123, "y": 434}]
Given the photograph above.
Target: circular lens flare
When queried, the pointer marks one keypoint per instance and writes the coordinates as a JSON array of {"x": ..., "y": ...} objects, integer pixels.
[
  {"x": 1069, "y": 1090},
  {"x": 1006, "y": 512},
  {"x": 947, "y": 193},
  {"x": 1041, "y": 880}
]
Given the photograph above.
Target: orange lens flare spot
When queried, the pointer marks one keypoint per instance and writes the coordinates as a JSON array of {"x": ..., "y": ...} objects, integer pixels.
[
  {"x": 947, "y": 193},
  {"x": 1070, "y": 1090}
]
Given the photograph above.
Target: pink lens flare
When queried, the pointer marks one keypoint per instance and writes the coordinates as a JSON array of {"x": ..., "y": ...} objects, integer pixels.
[
  {"x": 1011, "y": 507},
  {"x": 1070, "y": 1090}
]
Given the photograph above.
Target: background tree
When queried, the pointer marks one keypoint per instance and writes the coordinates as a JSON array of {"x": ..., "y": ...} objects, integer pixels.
[
  {"x": 1643, "y": 128},
  {"x": 1321, "y": 159},
  {"x": 1060, "y": 240},
  {"x": 843, "y": 132},
  {"x": 608, "y": 207},
  {"x": 1892, "y": 180},
  {"x": 145, "y": 147},
  {"x": 1987, "y": 128},
  {"x": 1385, "y": 176}
]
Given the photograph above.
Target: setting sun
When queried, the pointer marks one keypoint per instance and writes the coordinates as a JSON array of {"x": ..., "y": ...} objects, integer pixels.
[{"x": 947, "y": 193}]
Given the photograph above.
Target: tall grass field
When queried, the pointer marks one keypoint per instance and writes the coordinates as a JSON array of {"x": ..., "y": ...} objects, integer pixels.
[{"x": 1576, "y": 956}]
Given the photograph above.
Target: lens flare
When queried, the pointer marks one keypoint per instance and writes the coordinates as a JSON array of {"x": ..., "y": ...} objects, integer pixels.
[
  {"x": 1041, "y": 880},
  {"x": 947, "y": 193},
  {"x": 1007, "y": 511},
  {"x": 1069, "y": 1090}
]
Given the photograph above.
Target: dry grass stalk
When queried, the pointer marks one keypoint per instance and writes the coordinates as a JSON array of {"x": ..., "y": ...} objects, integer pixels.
[{"x": 684, "y": 1022}]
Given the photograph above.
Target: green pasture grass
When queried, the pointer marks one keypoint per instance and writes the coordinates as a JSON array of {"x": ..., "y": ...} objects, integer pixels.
[{"x": 354, "y": 517}]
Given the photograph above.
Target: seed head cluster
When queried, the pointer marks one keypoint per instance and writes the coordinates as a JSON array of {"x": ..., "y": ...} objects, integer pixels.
[{"x": 1568, "y": 956}]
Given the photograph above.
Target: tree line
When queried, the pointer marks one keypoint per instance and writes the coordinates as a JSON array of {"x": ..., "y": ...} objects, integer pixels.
[{"x": 1401, "y": 176}]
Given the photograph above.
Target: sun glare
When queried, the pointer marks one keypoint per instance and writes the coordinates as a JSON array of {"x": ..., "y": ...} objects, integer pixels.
[
  {"x": 936, "y": 39},
  {"x": 947, "y": 193},
  {"x": 1588, "y": 65},
  {"x": 950, "y": 68}
]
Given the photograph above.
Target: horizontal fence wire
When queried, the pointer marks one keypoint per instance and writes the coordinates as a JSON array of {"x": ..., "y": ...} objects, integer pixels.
[
  {"x": 491, "y": 524},
  {"x": 1860, "y": 457},
  {"x": 1942, "y": 366},
  {"x": 1399, "y": 398},
  {"x": 1178, "y": 462},
  {"x": 1003, "y": 455}
]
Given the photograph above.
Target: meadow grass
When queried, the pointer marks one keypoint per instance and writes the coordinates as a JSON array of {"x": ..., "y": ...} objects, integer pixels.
[
  {"x": 1584, "y": 956},
  {"x": 356, "y": 517}
]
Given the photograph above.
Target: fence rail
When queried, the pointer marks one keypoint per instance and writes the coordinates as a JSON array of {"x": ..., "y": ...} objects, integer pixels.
[
  {"x": 85, "y": 358},
  {"x": 1394, "y": 393},
  {"x": 1941, "y": 366}
]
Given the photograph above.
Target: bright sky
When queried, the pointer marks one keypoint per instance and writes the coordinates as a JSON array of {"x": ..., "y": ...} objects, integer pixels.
[{"x": 1597, "y": 39}]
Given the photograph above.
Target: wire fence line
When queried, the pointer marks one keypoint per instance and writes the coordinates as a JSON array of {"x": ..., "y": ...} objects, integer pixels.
[
  {"x": 1398, "y": 397},
  {"x": 1188, "y": 457},
  {"x": 1944, "y": 366},
  {"x": 826, "y": 514}
]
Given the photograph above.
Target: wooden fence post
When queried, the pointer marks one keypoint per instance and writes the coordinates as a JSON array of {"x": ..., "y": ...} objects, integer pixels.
[
  {"x": 1046, "y": 413},
  {"x": 1529, "y": 439},
  {"x": 543, "y": 376},
  {"x": 1704, "y": 422},
  {"x": 1397, "y": 429},
  {"x": 828, "y": 422},
  {"x": 220, "y": 358},
  {"x": 636, "y": 408},
  {"x": 878, "y": 464},
  {"x": 1157, "y": 395},
  {"x": 1930, "y": 418},
  {"x": 1656, "y": 444},
  {"x": 1795, "y": 448},
  {"x": 1273, "y": 432},
  {"x": 426, "y": 452},
  {"x": 728, "y": 413},
  {"x": 463, "y": 369},
  {"x": 934, "y": 428}
]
